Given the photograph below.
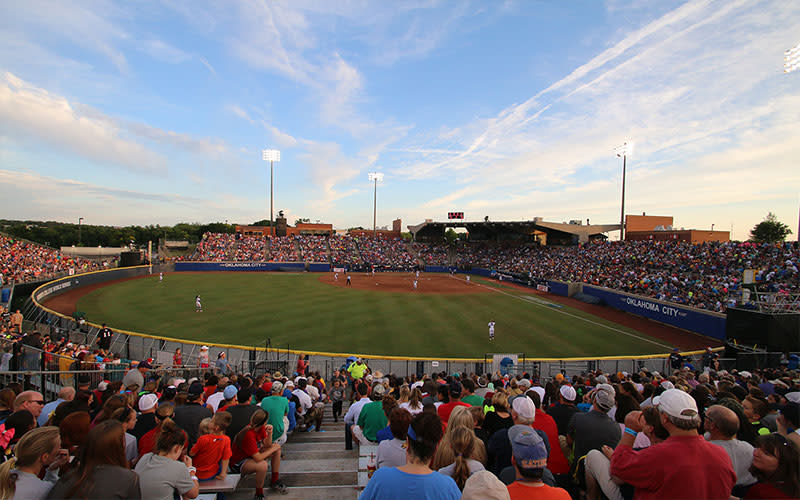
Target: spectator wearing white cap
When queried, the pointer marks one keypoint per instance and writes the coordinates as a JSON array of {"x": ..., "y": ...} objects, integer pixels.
[
  {"x": 215, "y": 399},
  {"x": 683, "y": 466},
  {"x": 563, "y": 411},
  {"x": 147, "y": 416}
]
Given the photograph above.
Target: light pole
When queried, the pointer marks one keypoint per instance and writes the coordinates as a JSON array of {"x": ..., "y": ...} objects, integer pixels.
[
  {"x": 271, "y": 155},
  {"x": 623, "y": 151},
  {"x": 80, "y": 221},
  {"x": 376, "y": 177},
  {"x": 791, "y": 63}
]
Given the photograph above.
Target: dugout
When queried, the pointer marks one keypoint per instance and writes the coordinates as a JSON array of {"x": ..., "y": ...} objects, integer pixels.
[{"x": 776, "y": 332}]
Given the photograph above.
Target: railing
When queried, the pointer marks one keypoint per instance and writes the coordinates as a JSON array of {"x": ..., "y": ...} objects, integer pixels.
[{"x": 50, "y": 382}]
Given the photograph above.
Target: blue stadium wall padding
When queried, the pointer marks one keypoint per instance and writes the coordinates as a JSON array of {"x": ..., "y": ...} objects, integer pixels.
[
  {"x": 558, "y": 288},
  {"x": 239, "y": 266},
  {"x": 708, "y": 323},
  {"x": 319, "y": 268},
  {"x": 5, "y": 295},
  {"x": 437, "y": 269},
  {"x": 480, "y": 272}
]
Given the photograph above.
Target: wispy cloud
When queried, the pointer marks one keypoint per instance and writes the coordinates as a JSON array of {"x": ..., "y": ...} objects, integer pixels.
[{"x": 685, "y": 87}]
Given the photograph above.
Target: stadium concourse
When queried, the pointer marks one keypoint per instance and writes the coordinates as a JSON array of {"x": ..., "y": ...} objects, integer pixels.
[
  {"x": 123, "y": 428},
  {"x": 707, "y": 276}
]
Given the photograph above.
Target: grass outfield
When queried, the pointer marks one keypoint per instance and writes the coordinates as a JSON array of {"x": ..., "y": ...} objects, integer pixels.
[{"x": 305, "y": 313}]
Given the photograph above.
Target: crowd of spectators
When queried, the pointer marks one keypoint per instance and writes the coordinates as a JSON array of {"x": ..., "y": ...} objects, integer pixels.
[
  {"x": 688, "y": 434},
  {"x": 283, "y": 249},
  {"x": 313, "y": 248},
  {"x": 344, "y": 252},
  {"x": 386, "y": 252},
  {"x": 431, "y": 254},
  {"x": 22, "y": 261},
  {"x": 248, "y": 248},
  {"x": 707, "y": 276}
]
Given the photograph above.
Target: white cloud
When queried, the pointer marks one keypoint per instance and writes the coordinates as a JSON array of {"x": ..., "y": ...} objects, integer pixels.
[
  {"x": 689, "y": 86},
  {"x": 28, "y": 112}
]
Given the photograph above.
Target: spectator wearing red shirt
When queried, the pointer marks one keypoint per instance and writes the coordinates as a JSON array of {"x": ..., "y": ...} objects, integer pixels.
[
  {"x": 529, "y": 458},
  {"x": 445, "y": 409},
  {"x": 212, "y": 452},
  {"x": 252, "y": 448},
  {"x": 683, "y": 466}
]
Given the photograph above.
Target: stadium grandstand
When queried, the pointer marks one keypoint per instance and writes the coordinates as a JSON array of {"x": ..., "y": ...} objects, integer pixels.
[{"x": 57, "y": 390}]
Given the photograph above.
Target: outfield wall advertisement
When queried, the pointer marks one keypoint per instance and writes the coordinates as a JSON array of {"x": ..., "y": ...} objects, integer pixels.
[
  {"x": 63, "y": 285},
  {"x": 705, "y": 323},
  {"x": 240, "y": 266}
]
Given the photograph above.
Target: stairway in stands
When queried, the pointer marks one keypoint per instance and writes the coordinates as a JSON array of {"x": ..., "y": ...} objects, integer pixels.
[{"x": 315, "y": 466}]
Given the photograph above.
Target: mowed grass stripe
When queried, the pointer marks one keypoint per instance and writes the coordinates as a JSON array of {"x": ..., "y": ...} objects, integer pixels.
[{"x": 304, "y": 313}]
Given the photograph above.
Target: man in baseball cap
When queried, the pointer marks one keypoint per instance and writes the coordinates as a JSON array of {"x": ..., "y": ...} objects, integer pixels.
[
  {"x": 529, "y": 457},
  {"x": 523, "y": 414},
  {"x": 563, "y": 411},
  {"x": 683, "y": 466},
  {"x": 593, "y": 430}
]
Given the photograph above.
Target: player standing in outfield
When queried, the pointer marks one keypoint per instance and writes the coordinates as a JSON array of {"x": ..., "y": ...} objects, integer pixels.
[
  {"x": 160, "y": 277},
  {"x": 198, "y": 306},
  {"x": 348, "y": 281},
  {"x": 415, "y": 284},
  {"x": 491, "y": 330}
]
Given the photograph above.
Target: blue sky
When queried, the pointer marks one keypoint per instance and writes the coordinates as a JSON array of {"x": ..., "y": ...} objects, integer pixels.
[{"x": 156, "y": 111}]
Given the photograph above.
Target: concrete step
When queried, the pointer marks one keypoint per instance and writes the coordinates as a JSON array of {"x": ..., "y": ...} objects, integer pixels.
[
  {"x": 326, "y": 464},
  {"x": 313, "y": 446},
  {"x": 343, "y": 492},
  {"x": 321, "y": 478},
  {"x": 318, "y": 437},
  {"x": 339, "y": 453}
]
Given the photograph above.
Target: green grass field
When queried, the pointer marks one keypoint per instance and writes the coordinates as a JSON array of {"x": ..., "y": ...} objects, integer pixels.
[{"x": 306, "y": 314}]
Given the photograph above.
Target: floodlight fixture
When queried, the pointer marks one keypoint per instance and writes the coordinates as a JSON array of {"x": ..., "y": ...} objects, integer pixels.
[
  {"x": 624, "y": 150},
  {"x": 375, "y": 177},
  {"x": 791, "y": 59},
  {"x": 271, "y": 155}
]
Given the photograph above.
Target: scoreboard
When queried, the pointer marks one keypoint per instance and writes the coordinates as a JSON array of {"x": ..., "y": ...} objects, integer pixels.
[{"x": 455, "y": 215}]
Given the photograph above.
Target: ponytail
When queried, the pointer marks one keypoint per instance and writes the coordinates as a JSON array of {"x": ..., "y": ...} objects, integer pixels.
[
  {"x": 8, "y": 481},
  {"x": 463, "y": 443},
  {"x": 29, "y": 449},
  {"x": 169, "y": 436}
]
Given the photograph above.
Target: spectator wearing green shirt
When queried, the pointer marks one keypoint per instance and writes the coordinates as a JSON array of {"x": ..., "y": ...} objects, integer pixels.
[
  {"x": 371, "y": 419},
  {"x": 468, "y": 393},
  {"x": 277, "y": 408}
]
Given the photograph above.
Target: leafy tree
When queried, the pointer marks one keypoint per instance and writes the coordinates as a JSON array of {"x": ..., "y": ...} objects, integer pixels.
[
  {"x": 262, "y": 222},
  {"x": 770, "y": 230},
  {"x": 302, "y": 221},
  {"x": 450, "y": 235}
]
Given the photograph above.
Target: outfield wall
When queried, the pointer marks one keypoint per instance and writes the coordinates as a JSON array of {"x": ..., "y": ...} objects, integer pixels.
[
  {"x": 136, "y": 345},
  {"x": 706, "y": 323}
]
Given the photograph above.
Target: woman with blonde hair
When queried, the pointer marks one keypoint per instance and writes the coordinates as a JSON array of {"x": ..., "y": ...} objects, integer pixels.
[
  {"x": 462, "y": 444},
  {"x": 414, "y": 403},
  {"x": 446, "y": 453},
  {"x": 19, "y": 475},
  {"x": 403, "y": 394}
]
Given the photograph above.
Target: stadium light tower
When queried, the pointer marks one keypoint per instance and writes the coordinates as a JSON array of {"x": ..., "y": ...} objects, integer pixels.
[
  {"x": 623, "y": 152},
  {"x": 791, "y": 63},
  {"x": 376, "y": 177},
  {"x": 271, "y": 155},
  {"x": 791, "y": 59},
  {"x": 80, "y": 221}
]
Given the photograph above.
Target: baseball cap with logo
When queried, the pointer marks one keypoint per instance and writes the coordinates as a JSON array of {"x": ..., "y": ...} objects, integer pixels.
[
  {"x": 527, "y": 447},
  {"x": 148, "y": 402},
  {"x": 277, "y": 387},
  {"x": 524, "y": 407},
  {"x": 678, "y": 404}
]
